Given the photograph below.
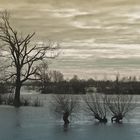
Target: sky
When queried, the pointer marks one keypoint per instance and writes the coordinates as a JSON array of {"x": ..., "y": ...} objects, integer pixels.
[{"x": 98, "y": 38}]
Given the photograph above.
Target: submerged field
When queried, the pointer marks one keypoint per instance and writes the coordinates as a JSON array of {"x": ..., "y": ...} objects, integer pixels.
[{"x": 31, "y": 123}]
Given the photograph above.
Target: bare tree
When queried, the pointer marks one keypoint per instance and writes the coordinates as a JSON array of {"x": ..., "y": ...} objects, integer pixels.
[
  {"x": 120, "y": 105},
  {"x": 96, "y": 106},
  {"x": 42, "y": 74},
  {"x": 21, "y": 55},
  {"x": 47, "y": 76},
  {"x": 56, "y": 76},
  {"x": 65, "y": 105}
]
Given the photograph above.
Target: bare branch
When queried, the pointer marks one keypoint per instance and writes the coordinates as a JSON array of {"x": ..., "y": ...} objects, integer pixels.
[
  {"x": 22, "y": 54},
  {"x": 95, "y": 105}
]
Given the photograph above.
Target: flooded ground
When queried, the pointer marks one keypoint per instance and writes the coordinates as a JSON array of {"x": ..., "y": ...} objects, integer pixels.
[{"x": 39, "y": 123}]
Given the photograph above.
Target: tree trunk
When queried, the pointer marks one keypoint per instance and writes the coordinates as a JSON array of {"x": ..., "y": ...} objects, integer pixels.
[
  {"x": 117, "y": 119},
  {"x": 17, "y": 91},
  {"x": 65, "y": 118},
  {"x": 17, "y": 96},
  {"x": 101, "y": 120}
]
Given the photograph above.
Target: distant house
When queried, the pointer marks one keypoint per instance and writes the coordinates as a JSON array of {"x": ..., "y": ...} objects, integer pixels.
[{"x": 91, "y": 89}]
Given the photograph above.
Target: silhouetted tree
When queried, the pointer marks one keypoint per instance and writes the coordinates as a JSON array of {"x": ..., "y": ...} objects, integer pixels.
[
  {"x": 78, "y": 86},
  {"x": 42, "y": 75},
  {"x": 49, "y": 80},
  {"x": 21, "y": 55},
  {"x": 120, "y": 106},
  {"x": 65, "y": 105},
  {"x": 56, "y": 76},
  {"x": 96, "y": 106}
]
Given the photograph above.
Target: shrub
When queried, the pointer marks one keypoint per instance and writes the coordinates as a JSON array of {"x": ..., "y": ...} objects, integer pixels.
[
  {"x": 37, "y": 102},
  {"x": 119, "y": 106},
  {"x": 64, "y": 105},
  {"x": 96, "y": 106}
]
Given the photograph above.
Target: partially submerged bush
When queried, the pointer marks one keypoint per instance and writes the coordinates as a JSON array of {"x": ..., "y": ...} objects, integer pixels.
[
  {"x": 119, "y": 106},
  {"x": 64, "y": 105},
  {"x": 1, "y": 99},
  {"x": 9, "y": 100},
  {"x": 25, "y": 101},
  {"x": 36, "y": 102},
  {"x": 96, "y": 106}
]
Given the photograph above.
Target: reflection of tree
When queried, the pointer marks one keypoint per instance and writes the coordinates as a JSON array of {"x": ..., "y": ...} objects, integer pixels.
[{"x": 17, "y": 118}]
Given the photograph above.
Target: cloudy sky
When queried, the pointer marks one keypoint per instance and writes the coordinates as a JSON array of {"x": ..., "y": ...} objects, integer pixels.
[{"x": 97, "y": 37}]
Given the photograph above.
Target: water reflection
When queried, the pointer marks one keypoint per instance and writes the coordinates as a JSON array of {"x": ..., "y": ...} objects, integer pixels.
[
  {"x": 66, "y": 127},
  {"x": 29, "y": 123},
  {"x": 17, "y": 118}
]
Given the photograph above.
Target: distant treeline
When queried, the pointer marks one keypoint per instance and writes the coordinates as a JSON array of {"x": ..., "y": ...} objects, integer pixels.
[
  {"x": 72, "y": 86},
  {"x": 82, "y": 87},
  {"x": 54, "y": 82},
  {"x": 75, "y": 85}
]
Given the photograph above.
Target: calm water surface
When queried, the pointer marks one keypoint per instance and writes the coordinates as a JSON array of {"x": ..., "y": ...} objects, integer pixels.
[{"x": 31, "y": 123}]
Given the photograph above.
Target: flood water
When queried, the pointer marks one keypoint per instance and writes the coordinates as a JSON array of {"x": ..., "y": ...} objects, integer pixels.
[{"x": 38, "y": 123}]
